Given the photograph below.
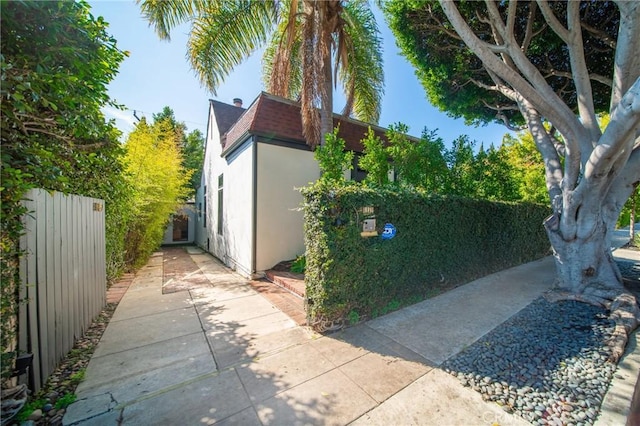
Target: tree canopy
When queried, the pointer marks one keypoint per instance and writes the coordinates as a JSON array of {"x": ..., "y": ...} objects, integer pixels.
[
  {"x": 302, "y": 38},
  {"x": 191, "y": 145},
  {"x": 456, "y": 80},
  {"x": 154, "y": 166},
  {"x": 554, "y": 66}
]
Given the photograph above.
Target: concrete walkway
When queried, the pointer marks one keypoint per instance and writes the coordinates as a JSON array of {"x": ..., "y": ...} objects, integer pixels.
[{"x": 222, "y": 353}]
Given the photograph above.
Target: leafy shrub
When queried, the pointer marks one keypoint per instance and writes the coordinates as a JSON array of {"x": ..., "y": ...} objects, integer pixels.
[
  {"x": 56, "y": 63},
  {"x": 333, "y": 159},
  {"x": 299, "y": 265},
  {"x": 160, "y": 184},
  {"x": 440, "y": 241}
]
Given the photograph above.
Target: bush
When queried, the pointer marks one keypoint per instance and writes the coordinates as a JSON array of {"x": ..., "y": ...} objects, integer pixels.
[
  {"x": 440, "y": 241},
  {"x": 299, "y": 265},
  {"x": 56, "y": 62},
  {"x": 333, "y": 159}
]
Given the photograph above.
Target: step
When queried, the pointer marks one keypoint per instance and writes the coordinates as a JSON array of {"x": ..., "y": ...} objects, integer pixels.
[{"x": 288, "y": 280}]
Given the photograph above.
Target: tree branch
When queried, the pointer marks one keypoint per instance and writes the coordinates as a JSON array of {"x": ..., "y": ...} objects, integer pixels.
[
  {"x": 580, "y": 73},
  {"x": 601, "y": 35},
  {"x": 553, "y": 21},
  {"x": 618, "y": 138},
  {"x": 534, "y": 88},
  {"x": 627, "y": 60},
  {"x": 528, "y": 33},
  {"x": 595, "y": 77},
  {"x": 507, "y": 123},
  {"x": 572, "y": 36},
  {"x": 546, "y": 147},
  {"x": 625, "y": 183}
]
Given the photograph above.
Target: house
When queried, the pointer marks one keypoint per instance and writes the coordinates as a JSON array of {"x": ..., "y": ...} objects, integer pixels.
[
  {"x": 248, "y": 205},
  {"x": 181, "y": 227}
]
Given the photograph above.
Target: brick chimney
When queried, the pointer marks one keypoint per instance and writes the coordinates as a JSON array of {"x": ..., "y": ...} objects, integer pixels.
[{"x": 237, "y": 102}]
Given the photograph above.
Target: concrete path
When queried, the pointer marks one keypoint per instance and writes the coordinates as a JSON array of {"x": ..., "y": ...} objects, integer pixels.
[{"x": 222, "y": 353}]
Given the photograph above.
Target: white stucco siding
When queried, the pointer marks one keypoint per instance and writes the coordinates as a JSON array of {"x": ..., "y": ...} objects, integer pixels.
[
  {"x": 235, "y": 244},
  {"x": 189, "y": 213},
  {"x": 211, "y": 165},
  {"x": 279, "y": 222},
  {"x": 200, "y": 233}
]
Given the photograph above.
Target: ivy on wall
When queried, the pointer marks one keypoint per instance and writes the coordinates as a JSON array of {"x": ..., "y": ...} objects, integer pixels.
[{"x": 439, "y": 241}]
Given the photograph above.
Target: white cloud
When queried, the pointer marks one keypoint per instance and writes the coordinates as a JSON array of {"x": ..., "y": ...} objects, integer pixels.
[{"x": 125, "y": 121}]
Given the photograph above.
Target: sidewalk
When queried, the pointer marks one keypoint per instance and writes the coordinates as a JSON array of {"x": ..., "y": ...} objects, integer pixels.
[{"x": 222, "y": 352}]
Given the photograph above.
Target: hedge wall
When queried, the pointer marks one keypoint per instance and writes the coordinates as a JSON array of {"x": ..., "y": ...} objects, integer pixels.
[{"x": 441, "y": 241}]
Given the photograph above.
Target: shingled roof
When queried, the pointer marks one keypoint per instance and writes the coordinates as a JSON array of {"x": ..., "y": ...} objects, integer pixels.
[
  {"x": 226, "y": 115},
  {"x": 273, "y": 117}
]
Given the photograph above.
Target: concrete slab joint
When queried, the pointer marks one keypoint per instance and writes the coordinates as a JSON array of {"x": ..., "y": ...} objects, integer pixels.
[{"x": 222, "y": 351}]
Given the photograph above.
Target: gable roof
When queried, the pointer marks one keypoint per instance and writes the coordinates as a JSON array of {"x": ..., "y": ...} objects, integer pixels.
[
  {"x": 226, "y": 115},
  {"x": 276, "y": 118}
]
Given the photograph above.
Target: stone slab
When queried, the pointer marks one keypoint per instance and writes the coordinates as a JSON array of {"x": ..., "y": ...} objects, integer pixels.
[
  {"x": 220, "y": 292},
  {"x": 266, "y": 377},
  {"x": 237, "y": 309},
  {"x": 228, "y": 355},
  {"x": 240, "y": 332},
  {"x": 149, "y": 301},
  {"x": 440, "y": 327},
  {"x": 616, "y": 405},
  {"x": 160, "y": 379},
  {"x": 188, "y": 355},
  {"x": 382, "y": 376},
  {"x": 96, "y": 409},
  {"x": 330, "y": 399},
  {"x": 137, "y": 332},
  {"x": 200, "y": 402},
  {"x": 194, "y": 250},
  {"x": 246, "y": 417},
  {"x": 437, "y": 399},
  {"x": 338, "y": 351}
]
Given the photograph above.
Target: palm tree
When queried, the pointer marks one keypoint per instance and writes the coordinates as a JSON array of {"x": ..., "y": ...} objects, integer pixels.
[{"x": 309, "y": 45}]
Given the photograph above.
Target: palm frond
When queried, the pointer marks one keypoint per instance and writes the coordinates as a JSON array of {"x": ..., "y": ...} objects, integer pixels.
[
  {"x": 283, "y": 53},
  {"x": 221, "y": 40},
  {"x": 165, "y": 15},
  {"x": 362, "y": 73}
]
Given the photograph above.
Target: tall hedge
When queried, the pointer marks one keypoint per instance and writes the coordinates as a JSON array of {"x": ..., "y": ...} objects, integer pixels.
[
  {"x": 439, "y": 241},
  {"x": 56, "y": 62}
]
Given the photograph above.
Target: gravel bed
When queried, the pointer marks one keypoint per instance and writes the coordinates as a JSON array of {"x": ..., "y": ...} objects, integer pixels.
[{"x": 547, "y": 364}]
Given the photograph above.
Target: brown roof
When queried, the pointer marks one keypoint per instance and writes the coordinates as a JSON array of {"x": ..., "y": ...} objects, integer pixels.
[
  {"x": 274, "y": 117},
  {"x": 226, "y": 115}
]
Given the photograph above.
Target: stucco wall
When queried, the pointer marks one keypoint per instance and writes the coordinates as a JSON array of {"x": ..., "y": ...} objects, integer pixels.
[
  {"x": 200, "y": 233},
  {"x": 204, "y": 236},
  {"x": 187, "y": 210},
  {"x": 235, "y": 244},
  {"x": 279, "y": 225}
]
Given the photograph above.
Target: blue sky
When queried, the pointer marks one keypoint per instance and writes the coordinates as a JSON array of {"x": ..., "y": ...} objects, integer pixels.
[{"x": 157, "y": 74}]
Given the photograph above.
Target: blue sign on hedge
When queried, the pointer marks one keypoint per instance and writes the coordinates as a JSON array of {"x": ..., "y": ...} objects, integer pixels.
[{"x": 388, "y": 232}]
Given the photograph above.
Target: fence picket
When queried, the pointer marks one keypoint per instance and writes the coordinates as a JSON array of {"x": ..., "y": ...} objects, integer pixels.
[{"x": 63, "y": 275}]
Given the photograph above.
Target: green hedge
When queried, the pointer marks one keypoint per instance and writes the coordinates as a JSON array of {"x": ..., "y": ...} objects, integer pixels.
[{"x": 441, "y": 241}]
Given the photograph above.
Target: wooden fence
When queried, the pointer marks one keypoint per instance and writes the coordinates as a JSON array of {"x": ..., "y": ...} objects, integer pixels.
[{"x": 63, "y": 276}]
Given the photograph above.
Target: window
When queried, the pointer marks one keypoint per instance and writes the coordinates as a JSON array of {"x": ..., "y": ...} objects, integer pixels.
[
  {"x": 220, "y": 206},
  {"x": 204, "y": 211},
  {"x": 357, "y": 174}
]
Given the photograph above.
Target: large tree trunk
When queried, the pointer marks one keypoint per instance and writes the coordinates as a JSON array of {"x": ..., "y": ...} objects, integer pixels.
[
  {"x": 632, "y": 219},
  {"x": 587, "y": 272},
  {"x": 326, "y": 111},
  {"x": 586, "y": 265},
  {"x": 330, "y": 15}
]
